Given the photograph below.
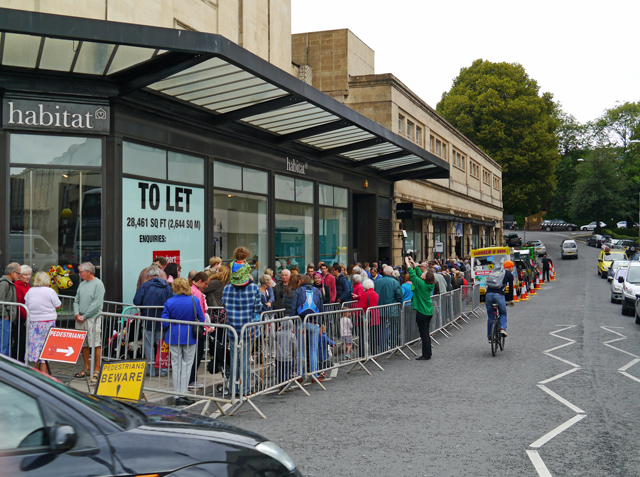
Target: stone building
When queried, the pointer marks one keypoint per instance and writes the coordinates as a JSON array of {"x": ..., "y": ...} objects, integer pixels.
[{"x": 462, "y": 211}]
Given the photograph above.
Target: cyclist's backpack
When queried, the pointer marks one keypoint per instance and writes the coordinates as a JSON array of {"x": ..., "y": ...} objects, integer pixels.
[
  {"x": 496, "y": 278},
  {"x": 309, "y": 305}
]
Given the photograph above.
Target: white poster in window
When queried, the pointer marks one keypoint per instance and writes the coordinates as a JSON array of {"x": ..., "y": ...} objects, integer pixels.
[{"x": 160, "y": 219}]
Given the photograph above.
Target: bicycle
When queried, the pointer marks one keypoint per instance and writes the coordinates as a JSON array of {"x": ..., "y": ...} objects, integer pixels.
[{"x": 497, "y": 339}]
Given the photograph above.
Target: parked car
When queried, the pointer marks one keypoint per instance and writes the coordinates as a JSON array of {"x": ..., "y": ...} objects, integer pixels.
[
  {"x": 622, "y": 224},
  {"x": 569, "y": 249},
  {"x": 629, "y": 246},
  {"x": 605, "y": 258},
  {"x": 538, "y": 246},
  {"x": 512, "y": 239},
  {"x": 557, "y": 225},
  {"x": 611, "y": 243},
  {"x": 52, "y": 429},
  {"x": 616, "y": 286},
  {"x": 595, "y": 240},
  {"x": 630, "y": 287},
  {"x": 614, "y": 268},
  {"x": 592, "y": 226}
]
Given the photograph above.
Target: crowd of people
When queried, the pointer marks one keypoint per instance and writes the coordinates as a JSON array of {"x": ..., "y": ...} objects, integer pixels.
[{"x": 238, "y": 295}]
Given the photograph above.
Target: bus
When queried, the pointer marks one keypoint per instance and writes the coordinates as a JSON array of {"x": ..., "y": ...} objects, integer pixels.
[{"x": 483, "y": 260}]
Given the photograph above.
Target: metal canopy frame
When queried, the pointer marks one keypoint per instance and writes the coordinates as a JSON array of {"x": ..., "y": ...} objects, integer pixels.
[{"x": 224, "y": 86}]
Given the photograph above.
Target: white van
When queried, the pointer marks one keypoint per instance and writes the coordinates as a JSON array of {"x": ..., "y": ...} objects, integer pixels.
[
  {"x": 32, "y": 250},
  {"x": 569, "y": 249}
]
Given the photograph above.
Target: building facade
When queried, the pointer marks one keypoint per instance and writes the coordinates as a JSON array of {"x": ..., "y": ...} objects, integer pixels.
[{"x": 451, "y": 215}]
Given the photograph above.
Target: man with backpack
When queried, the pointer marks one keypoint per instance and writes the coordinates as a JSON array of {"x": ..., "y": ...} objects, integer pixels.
[
  {"x": 497, "y": 282},
  {"x": 307, "y": 300}
]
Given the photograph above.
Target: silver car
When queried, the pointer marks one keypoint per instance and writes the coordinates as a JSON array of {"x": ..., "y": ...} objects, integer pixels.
[
  {"x": 614, "y": 267},
  {"x": 616, "y": 286}
]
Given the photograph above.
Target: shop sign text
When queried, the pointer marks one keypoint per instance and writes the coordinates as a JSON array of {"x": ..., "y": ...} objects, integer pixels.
[{"x": 47, "y": 115}]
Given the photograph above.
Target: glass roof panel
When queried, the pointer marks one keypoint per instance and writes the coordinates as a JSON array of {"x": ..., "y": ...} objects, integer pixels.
[
  {"x": 20, "y": 50},
  {"x": 242, "y": 102},
  {"x": 286, "y": 119},
  {"x": 93, "y": 58},
  {"x": 304, "y": 106},
  {"x": 57, "y": 55},
  {"x": 340, "y": 139},
  {"x": 209, "y": 69},
  {"x": 404, "y": 161},
  {"x": 128, "y": 56},
  {"x": 234, "y": 95},
  {"x": 333, "y": 134},
  {"x": 213, "y": 86},
  {"x": 302, "y": 123},
  {"x": 379, "y": 150}
]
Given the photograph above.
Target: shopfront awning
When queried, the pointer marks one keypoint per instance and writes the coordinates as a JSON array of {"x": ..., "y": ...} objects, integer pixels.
[
  {"x": 221, "y": 84},
  {"x": 427, "y": 214}
]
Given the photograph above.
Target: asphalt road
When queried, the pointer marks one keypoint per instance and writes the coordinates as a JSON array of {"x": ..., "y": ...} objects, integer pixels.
[{"x": 468, "y": 413}]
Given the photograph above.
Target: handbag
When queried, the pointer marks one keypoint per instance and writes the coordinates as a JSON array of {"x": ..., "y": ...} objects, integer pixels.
[{"x": 195, "y": 329}]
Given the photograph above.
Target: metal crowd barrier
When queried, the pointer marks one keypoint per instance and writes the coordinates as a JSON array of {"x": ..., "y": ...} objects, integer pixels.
[
  {"x": 333, "y": 339},
  {"x": 384, "y": 328},
  {"x": 349, "y": 304},
  {"x": 273, "y": 314},
  {"x": 14, "y": 330},
  {"x": 268, "y": 358},
  {"x": 332, "y": 306},
  {"x": 199, "y": 366}
]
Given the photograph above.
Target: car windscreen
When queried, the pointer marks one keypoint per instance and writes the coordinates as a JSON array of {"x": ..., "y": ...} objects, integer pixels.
[
  {"x": 119, "y": 414},
  {"x": 609, "y": 257},
  {"x": 619, "y": 263},
  {"x": 487, "y": 263},
  {"x": 633, "y": 275},
  {"x": 569, "y": 245}
]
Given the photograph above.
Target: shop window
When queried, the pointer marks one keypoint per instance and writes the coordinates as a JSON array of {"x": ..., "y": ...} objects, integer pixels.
[
  {"x": 333, "y": 196},
  {"x": 227, "y": 176},
  {"x": 55, "y": 214},
  {"x": 139, "y": 160},
  {"x": 297, "y": 190},
  {"x": 413, "y": 242},
  {"x": 241, "y": 220},
  {"x": 63, "y": 151},
  {"x": 255, "y": 181},
  {"x": 475, "y": 236},
  {"x": 332, "y": 235},
  {"x": 185, "y": 168},
  {"x": 294, "y": 235}
]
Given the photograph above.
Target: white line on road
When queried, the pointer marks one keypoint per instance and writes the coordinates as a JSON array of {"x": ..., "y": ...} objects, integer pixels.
[
  {"x": 560, "y": 398},
  {"x": 628, "y": 365},
  {"x": 558, "y": 376},
  {"x": 538, "y": 463},
  {"x": 561, "y": 428},
  {"x": 629, "y": 376}
]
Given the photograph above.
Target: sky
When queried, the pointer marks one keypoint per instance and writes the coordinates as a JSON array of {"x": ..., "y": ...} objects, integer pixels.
[{"x": 583, "y": 52}]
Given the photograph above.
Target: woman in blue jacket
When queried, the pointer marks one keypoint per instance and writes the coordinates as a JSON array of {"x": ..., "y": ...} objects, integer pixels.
[{"x": 182, "y": 344}]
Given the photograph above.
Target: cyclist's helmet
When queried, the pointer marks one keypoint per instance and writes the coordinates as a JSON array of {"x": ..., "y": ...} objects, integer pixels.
[{"x": 508, "y": 264}]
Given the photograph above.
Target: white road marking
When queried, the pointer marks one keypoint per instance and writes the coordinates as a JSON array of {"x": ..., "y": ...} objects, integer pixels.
[
  {"x": 558, "y": 376},
  {"x": 558, "y": 430},
  {"x": 561, "y": 399},
  {"x": 538, "y": 463},
  {"x": 630, "y": 363}
]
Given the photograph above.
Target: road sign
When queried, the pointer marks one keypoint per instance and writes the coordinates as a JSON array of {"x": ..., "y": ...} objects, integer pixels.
[
  {"x": 122, "y": 379},
  {"x": 63, "y": 345}
]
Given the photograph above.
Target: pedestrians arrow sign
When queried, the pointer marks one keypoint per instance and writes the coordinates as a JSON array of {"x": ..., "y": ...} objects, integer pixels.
[
  {"x": 63, "y": 345},
  {"x": 68, "y": 351}
]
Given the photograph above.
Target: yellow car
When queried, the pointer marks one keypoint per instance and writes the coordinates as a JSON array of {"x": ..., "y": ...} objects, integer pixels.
[{"x": 606, "y": 257}]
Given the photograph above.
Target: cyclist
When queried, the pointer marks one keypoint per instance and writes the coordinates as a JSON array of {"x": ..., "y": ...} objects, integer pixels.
[{"x": 499, "y": 297}]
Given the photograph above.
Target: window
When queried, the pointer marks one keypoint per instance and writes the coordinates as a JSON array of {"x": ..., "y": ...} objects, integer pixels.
[
  {"x": 458, "y": 159},
  {"x": 410, "y": 130},
  {"x": 290, "y": 188},
  {"x": 418, "y": 135},
  {"x": 151, "y": 162},
  {"x": 431, "y": 144},
  {"x": 437, "y": 147},
  {"x": 474, "y": 169},
  {"x": 496, "y": 183},
  {"x": 401, "y": 124},
  {"x": 21, "y": 421},
  {"x": 444, "y": 151},
  {"x": 486, "y": 177}
]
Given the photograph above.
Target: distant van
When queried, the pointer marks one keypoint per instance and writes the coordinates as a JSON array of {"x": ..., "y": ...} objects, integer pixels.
[{"x": 32, "y": 250}]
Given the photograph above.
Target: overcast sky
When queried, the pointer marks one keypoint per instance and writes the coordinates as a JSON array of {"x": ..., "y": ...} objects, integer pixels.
[{"x": 583, "y": 52}]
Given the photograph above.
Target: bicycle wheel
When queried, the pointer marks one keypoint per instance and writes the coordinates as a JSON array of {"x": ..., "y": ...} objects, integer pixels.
[
  {"x": 495, "y": 337},
  {"x": 501, "y": 340}
]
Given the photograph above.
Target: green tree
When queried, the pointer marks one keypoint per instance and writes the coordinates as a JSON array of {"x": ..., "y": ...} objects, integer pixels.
[{"x": 499, "y": 107}]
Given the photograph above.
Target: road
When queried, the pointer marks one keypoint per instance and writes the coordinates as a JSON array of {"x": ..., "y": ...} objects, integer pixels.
[{"x": 468, "y": 413}]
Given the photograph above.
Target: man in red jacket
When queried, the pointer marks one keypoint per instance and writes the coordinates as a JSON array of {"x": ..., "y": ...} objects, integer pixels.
[{"x": 329, "y": 280}]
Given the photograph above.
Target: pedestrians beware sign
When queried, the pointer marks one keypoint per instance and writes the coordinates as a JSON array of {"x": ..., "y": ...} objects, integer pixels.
[
  {"x": 63, "y": 345},
  {"x": 122, "y": 379}
]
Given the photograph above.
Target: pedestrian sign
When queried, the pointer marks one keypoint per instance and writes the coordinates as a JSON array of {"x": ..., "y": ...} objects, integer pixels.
[
  {"x": 122, "y": 379},
  {"x": 63, "y": 345}
]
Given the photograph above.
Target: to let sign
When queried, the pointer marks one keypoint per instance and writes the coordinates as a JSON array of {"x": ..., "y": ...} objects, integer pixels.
[{"x": 63, "y": 345}]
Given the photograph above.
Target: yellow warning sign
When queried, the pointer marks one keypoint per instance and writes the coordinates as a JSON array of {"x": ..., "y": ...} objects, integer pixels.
[{"x": 123, "y": 379}]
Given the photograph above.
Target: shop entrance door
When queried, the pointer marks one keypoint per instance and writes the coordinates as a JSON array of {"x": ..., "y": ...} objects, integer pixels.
[{"x": 365, "y": 218}]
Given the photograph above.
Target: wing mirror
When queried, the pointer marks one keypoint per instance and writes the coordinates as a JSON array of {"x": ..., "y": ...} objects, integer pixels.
[
  {"x": 620, "y": 279},
  {"x": 63, "y": 438}
]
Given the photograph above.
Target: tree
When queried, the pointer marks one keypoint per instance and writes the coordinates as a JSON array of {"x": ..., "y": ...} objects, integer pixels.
[{"x": 499, "y": 108}]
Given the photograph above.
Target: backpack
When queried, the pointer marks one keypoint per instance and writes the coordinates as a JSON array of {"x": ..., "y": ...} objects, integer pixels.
[
  {"x": 496, "y": 278},
  {"x": 309, "y": 305}
]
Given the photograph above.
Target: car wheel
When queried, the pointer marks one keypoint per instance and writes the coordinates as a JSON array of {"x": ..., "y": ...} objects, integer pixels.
[
  {"x": 637, "y": 319},
  {"x": 624, "y": 308},
  {"x": 548, "y": 229},
  {"x": 613, "y": 300},
  {"x": 571, "y": 229},
  {"x": 603, "y": 275}
]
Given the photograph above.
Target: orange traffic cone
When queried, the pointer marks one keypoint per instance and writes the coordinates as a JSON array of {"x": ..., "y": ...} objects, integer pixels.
[
  {"x": 523, "y": 293},
  {"x": 532, "y": 290},
  {"x": 515, "y": 295},
  {"x": 538, "y": 287},
  {"x": 552, "y": 274}
]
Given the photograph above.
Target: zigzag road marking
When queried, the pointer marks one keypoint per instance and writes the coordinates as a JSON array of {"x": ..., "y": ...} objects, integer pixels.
[
  {"x": 533, "y": 454},
  {"x": 633, "y": 362}
]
